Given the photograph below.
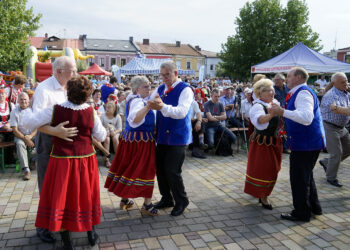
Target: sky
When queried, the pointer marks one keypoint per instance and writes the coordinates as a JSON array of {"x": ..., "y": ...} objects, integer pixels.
[{"x": 206, "y": 23}]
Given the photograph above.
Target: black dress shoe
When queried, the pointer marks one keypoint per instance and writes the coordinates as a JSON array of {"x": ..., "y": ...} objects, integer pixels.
[
  {"x": 163, "y": 204},
  {"x": 335, "y": 183},
  {"x": 179, "y": 208},
  {"x": 323, "y": 164},
  {"x": 45, "y": 235},
  {"x": 198, "y": 155},
  {"x": 317, "y": 212},
  {"x": 293, "y": 218},
  {"x": 92, "y": 237},
  {"x": 266, "y": 206}
]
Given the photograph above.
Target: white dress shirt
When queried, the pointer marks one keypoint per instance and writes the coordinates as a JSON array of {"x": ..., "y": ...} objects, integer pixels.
[
  {"x": 32, "y": 120},
  {"x": 304, "y": 107},
  {"x": 15, "y": 117},
  {"x": 257, "y": 110},
  {"x": 48, "y": 93},
  {"x": 185, "y": 100}
]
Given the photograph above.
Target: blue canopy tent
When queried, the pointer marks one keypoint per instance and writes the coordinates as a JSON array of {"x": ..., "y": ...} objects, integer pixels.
[
  {"x": 302, "y": 56},
  {"x": 147, "y": 66}
]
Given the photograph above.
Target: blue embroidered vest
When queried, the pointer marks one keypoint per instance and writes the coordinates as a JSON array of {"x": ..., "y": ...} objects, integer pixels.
[
  {"x": 301, "y": 137},
  {"x": 145, "y": 132},
  {"x": 173, "y": 131}
]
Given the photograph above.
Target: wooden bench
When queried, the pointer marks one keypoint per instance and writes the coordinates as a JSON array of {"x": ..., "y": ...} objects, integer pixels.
[
  {"x": 237, "y": 130},
  {"x": 4, "y": 145}
]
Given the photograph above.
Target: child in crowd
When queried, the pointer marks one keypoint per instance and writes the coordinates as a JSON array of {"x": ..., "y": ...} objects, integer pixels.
[{"x": 112, "y": 121}]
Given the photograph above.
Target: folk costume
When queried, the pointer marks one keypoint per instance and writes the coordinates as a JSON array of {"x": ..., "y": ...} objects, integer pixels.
[
  {"x": 265, "y": 154},
  {"x": 306, "y": 137},
  {"x": 174, "y": 132},
  {"x": 133, "y": 169},
  {"x": 70, "y": 197}
]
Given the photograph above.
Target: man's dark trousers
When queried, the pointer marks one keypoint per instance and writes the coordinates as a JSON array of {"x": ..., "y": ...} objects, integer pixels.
[
  {"x": 169, "y": 167},
  {"x": 304, "y": 192}
]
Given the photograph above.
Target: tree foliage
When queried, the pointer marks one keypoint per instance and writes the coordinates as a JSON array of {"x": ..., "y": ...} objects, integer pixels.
[
  {"x": 264, "y": 30},
  {"x": 17, "y": 23}
]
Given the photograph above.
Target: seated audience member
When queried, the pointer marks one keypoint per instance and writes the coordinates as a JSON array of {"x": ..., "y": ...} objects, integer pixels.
[
  {"x": 23, "y": 136},
  {"x": 13, "y": 91},
  {"x": 98, "y": 103},
  {"x": 113, "y": 125},
  {"x": 229, "y": 103},
  {"x": 112, "y": 98},
  {"x": 197, "y": 131},
  {"x": 214, "y": 113}
]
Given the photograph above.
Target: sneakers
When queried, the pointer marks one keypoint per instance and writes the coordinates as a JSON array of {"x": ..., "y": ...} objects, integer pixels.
[{"x": 26, "y": 176}]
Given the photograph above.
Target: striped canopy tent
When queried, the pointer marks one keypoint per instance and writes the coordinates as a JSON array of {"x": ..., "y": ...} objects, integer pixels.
[{"x": 148, "y": 66}]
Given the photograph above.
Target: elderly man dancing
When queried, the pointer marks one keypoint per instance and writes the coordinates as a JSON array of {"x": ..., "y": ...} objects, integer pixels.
[
  {"x": 173, "y": 101},
  {"x": 306, "y": 137}
]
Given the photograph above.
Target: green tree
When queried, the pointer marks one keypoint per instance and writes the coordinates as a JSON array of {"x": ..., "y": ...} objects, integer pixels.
[
  {"x": 264, "y": 30},
  {"x": 17, "y": 23},
  {"x": 82, "y": 65}
]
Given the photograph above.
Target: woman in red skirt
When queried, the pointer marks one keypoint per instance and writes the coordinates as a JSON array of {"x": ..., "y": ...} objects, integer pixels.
[
  {"x": 265, "y": 148},
  {"x": 133, "y": 169},
  {"x": 70, "y": 196}
]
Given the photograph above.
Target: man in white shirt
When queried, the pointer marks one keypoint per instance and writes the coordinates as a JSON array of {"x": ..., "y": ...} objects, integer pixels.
[
  {"x": 48, "y": 93},
  {"x": 172, "y": 100},
  {"x": 305, "y": 135},
  {"x": 23, "y": 136}
]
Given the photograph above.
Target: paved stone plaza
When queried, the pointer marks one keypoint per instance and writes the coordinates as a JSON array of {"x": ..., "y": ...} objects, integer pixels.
[{"x": 220, "y": 215}]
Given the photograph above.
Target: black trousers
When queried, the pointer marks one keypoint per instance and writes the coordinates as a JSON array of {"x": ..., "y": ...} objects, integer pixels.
[
  {"x": 169, "y": 167},
  {"x": 304, "y": 192}
]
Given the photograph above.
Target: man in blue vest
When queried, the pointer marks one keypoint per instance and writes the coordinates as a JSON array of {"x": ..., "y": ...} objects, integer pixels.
[
  {"x": 172, "y": 100},
  {"x": 305, "y": 134}
]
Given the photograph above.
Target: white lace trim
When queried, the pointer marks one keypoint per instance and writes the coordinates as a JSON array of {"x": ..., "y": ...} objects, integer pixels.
[{"x": 73, "y": 106}]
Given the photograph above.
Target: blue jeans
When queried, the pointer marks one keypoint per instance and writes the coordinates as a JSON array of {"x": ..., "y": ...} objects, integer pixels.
[{"x": 210, "y": 133}]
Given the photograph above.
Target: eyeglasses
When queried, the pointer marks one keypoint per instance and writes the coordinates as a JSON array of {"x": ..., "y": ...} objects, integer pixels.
[{"x": 146, "y": 87}]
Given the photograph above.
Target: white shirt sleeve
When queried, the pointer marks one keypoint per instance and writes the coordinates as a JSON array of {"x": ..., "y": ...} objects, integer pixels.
[
  {"x": 32, "y": 120},
  {"x": 181, "y": 110},
  {"x": 255, "y": 112},
  {"x": 304, "y": 109},
  {"x": 135, "y": 107},
  {"x": 98, "y": 131}
]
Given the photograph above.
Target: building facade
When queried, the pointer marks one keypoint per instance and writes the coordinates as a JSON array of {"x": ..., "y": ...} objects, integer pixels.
[
  {"x": 184, "y": 55},
  {"x": 109, "y": 52}
]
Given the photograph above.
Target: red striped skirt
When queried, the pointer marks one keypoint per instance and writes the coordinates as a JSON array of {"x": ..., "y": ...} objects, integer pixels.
[
  {"x": 133, "y": 170},
  {"x": 70, "y": 196},
  {"x": 264, "y": 163}
]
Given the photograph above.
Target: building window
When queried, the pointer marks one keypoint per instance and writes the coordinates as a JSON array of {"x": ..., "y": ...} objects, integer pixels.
[
  {"x": 188, "y": 65},
  {"x": 347, "y": 58},
  {"x": 211, "y": 66},
  {"x": 102, "y": 62},
  {"x": 122, "y": 62},
  {"x": 178, "y": 64},
  {"x": 113, "y": 61},
  {"x": 90, "y": 61}
]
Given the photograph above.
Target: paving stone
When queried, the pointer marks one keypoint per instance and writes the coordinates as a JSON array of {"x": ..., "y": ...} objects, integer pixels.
[{"x": 220, "y": 215}]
